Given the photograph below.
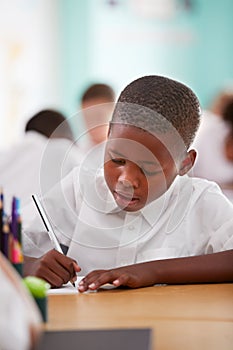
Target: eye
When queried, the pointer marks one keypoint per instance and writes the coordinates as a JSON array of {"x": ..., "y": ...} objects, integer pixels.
[
  {"x": 149, "y": 171},
  {"x": 118, "y": 161}
]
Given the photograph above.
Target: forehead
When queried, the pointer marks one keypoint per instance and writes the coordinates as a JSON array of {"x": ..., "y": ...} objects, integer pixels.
[{"x": 132, "y": 141}]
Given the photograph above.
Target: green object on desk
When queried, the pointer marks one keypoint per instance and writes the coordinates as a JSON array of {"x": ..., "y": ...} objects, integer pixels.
[{"x": 38, "y": 288}]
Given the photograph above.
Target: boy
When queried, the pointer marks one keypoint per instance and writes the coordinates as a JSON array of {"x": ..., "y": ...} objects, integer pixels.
[
  {"x": 142, "y": 206},
  {"x": 97, "y": 104}
]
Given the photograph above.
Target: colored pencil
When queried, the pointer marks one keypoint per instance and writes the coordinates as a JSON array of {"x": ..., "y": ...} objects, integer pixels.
[{"x": 5, "y": 237}]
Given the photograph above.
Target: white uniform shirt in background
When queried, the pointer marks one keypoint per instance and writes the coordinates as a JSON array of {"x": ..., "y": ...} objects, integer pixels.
[
  {"x": 35, "y": 165},
  {"x": 192, "y": 218},
  {"x": 211, "y": 162}
]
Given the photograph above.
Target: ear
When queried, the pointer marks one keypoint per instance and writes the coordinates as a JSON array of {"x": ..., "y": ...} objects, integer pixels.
[
  {"x": 228, "y": 148},
  {"x": 188, "y": 162}
]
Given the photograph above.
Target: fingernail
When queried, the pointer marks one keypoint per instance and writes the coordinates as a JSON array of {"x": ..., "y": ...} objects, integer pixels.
[
  {"x": 92, "y": 286},
  {"x": 81, "y": 283},
  {"x": 116, "y": 282},
  {"x": 81, "y": 288}
]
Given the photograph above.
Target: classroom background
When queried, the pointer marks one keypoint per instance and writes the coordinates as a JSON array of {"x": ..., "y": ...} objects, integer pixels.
[{"x": 50, "y": 50}]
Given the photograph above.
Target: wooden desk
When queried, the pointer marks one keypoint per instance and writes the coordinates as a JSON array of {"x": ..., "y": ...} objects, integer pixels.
[{"x": 181, "y": 317}]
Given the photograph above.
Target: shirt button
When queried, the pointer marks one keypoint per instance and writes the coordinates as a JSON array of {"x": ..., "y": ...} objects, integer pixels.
[{"x": 131, "y": 227}]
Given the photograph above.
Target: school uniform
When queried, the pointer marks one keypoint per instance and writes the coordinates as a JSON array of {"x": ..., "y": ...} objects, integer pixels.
[
  {"x": 209, "y": 142},
  {"x": 34, "y": 165},
  {"x": 192, "y": 218}
]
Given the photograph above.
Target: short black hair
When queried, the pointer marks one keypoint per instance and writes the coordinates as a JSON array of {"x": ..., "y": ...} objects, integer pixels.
[
  {"x": 227, "y": 113},
  {"x": 99, "y": 91},
  {"x": 172, "y": 100},
  {"x": 50, "y": 123}
]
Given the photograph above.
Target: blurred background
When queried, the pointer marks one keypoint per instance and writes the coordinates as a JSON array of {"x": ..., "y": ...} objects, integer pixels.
[{"x": 51, "y": 50}]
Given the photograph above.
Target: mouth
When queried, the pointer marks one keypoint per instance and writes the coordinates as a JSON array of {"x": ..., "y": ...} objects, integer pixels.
[{"x": 125, "y": 199}]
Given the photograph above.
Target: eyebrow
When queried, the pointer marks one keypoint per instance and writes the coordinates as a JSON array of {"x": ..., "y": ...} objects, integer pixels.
[{"x": 139, "y": 162}]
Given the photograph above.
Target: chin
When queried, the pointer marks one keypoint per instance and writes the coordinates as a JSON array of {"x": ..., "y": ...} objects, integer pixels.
[{"x": 131, "y": 208}]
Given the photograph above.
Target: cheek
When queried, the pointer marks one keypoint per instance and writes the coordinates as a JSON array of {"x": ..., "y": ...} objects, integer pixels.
[
  {"x": 110, "y": 173},
  {"x": 156, "y": 187},
  {"x": 170, "y": 175}
]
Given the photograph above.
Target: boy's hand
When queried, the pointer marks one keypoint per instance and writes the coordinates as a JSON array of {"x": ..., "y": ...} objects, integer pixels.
[
  {"x": 209, "y": 268},
  {"x": 53, "y": 267},
  {"x": 132, "y": 276}
]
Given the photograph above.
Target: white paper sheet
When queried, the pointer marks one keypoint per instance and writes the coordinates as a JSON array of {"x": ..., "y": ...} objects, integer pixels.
[
  {"x": 69, "y": 289},
  {"x": 66, "y": 288}
]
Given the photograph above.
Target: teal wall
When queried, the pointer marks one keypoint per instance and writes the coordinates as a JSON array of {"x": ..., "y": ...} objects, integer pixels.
[
  {"x": 74, "y": 57},
  {"x": 115, "y": 45}
]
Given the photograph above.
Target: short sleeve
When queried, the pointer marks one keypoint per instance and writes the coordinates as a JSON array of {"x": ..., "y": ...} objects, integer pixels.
[{"x": 61, "y": 206}]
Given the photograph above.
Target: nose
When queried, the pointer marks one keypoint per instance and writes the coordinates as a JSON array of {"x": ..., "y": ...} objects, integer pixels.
[{"x": 129, "y": 176}]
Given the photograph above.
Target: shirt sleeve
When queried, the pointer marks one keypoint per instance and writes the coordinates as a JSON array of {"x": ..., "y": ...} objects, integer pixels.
[
  {"x": 61, "y": 205},
  {"x": 218, "y": 217}
]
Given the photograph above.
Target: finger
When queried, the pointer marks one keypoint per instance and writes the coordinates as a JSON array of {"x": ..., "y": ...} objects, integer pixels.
[
  {"x": 122, "y": 280},
  {"x": 84, "y": 283},
  {"x": 51, "y": 277},
  {"x": 82, "y": 288},
  {"x": 55, "y": 263},
  {"x": 58, "y": 263},
  {"x": 101, "y": 279},
  {"x": 69, "y": 265},
  {"x": 61, "y": 271},
  {"x": 114, "y": 277}
]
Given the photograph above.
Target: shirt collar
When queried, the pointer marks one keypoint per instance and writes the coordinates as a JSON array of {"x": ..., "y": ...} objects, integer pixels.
[
  {"x": 34, "y": 135},
  {"x": 156, "y": 208}
]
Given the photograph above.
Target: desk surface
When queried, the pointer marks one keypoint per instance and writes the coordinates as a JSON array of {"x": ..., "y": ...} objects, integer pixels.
[{"x": 181, "y": 317}]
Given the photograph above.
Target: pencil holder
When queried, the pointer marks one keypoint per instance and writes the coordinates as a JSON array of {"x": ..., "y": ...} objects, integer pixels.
[
  {"x": 38, "y": 289},
  {"x": 42, "y": 305},
  {"x": 19, "y": 268}
]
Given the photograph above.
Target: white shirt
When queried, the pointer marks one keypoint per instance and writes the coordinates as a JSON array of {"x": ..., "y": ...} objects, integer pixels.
[
  {"x": 193, "y": 217},
  {"x": 34, "y": 165},
  {"x": 211, "y": 162}
]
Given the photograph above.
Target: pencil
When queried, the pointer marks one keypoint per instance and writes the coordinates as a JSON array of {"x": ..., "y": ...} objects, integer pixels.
[
  {"x": 5, "y": 248},
  {"x": 1, "y": 216},
  {"x": 14, "y": 215},
  {"x": 17, "y": 255},
  {"x": 48, "y": 227}
]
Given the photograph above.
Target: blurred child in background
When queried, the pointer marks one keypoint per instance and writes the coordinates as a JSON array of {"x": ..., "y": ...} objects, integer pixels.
[
  {"x": 97, "y": 106},
  {"x": 36, "y": 163},
  {"x": 212, "y": 162}
]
